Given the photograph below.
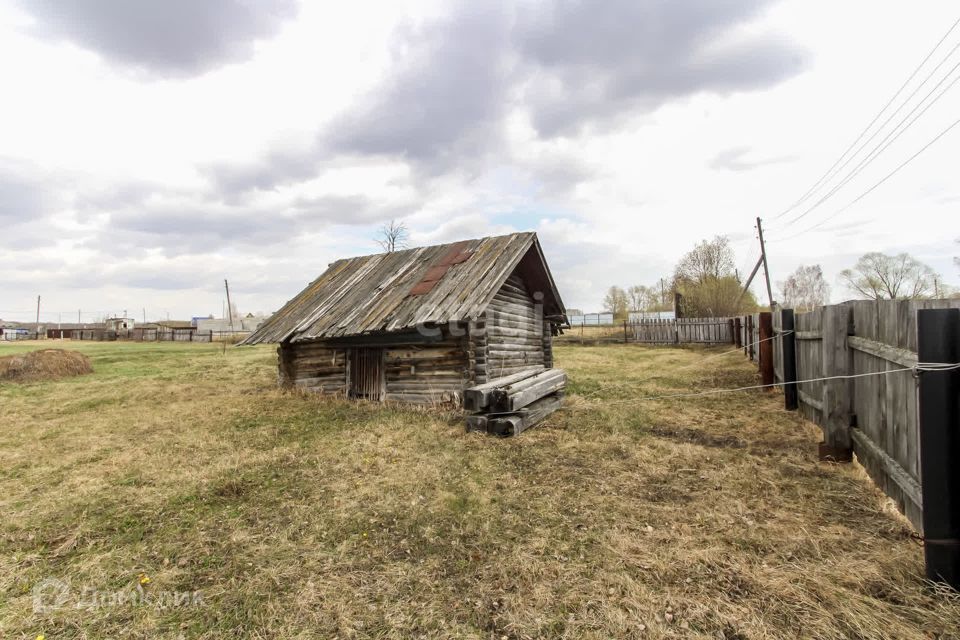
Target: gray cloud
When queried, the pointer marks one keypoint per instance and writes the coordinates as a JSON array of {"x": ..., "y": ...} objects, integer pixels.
[
  {"x": 22, "y": 196},
  {"x": 741, "y": 159},
  {"x": 594, "y": 64},
  {"x": 348, "y": 209},
  {"x": 26, "y": 207},
  {"x": 172, "y": 38},
  {"x": 276, "y": 167},
  {"x": 440, "y": 106},
  {"x": 443, "y": 102},
  {"x": 444, "y": 96},
  {"x": 144, "y": 216}
]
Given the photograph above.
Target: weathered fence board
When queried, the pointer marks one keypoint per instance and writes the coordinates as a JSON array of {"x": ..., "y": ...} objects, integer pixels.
[
  {"x": 810, "y": 363},
  {"x": 874, "y": 413},
  {"x": 681, "y": 331}
]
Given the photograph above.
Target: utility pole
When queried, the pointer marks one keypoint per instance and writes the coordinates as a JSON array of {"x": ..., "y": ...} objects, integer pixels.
[
  {"x": 78, "y": 317},
  {"x": 229, "y": 306},
  {"x": 763, "y": 256},
  {"x": 144, "y": 315},
  {"x": 38, "y": 318}
]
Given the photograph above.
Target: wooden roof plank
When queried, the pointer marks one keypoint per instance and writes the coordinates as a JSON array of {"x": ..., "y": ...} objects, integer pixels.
[{"x": 374, "y": 293}]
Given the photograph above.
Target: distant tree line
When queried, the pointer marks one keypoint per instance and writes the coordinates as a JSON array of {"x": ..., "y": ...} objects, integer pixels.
[
  {"x": 709, "y": 285},
  {"x": 705, "y": 278}
]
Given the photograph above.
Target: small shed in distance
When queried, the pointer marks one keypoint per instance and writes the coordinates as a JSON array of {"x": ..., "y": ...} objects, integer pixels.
[{"x": 420, "y": 325}]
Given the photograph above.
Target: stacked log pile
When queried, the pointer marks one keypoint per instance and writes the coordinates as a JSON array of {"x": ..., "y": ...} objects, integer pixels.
[{"x": 507, "y": 406}]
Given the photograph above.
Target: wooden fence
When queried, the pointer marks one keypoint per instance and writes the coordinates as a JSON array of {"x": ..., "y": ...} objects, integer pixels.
[
  {"x": 163, "y": 334},
  {"x": 657, "y": 331},
  {"x": 872, "y": 416}
]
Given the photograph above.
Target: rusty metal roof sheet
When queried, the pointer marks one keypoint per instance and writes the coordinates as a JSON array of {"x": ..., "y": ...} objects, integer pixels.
[{"x": 403, "y": 289}]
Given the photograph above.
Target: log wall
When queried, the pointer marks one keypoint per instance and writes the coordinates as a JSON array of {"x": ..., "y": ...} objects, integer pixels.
[
  {"x": 510, "y": 337},
  {"x": 425, "y": 373},
  {"x": 312, "y": 366},
  {"x": 515, "y": 330},
  {"x": 429, "y": 374}
]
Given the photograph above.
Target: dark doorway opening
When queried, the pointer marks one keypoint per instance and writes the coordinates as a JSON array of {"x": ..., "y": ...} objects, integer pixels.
[{"x": 367, "y": 374}]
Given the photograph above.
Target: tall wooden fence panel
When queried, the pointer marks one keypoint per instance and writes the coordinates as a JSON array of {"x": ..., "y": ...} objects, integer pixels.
[
  {"x": 654, "y": 331},
  {"x": 867, "y": 404},
  {"x": 777, "y": 348},
  {"x": 680, "y": 331},
  {"x": 704, "y": 330},
  {"x": 809, "y": 340}
]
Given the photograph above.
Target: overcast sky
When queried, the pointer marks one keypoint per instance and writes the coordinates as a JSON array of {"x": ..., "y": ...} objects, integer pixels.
[{"x": 150, "y": 149}]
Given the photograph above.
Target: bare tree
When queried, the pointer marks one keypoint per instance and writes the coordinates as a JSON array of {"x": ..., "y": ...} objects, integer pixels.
[
  {"x": 393, "y": 236},
  {"x": 715, "y": 298},
  {"x": 709, "y": 259},
  {"x": 880, "y": 276},
  {"x": 805, "y": 289},
  {"x": 616, "y": 302},
  {"x": 706, "y": 280},
  {"x": 639, "y": 297}
]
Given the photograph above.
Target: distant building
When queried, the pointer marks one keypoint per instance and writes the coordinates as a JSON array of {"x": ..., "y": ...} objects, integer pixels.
[
  {"x": 248, "y": 323},
  {"x": 591, "y": 319},
  {"x": 420, "y": 325},
  {"x": 634, "y": 316},
  {"x": 121, "y": 325},
  {"x": 13, "y": 333},
  {"x": 175, "y": 324}
]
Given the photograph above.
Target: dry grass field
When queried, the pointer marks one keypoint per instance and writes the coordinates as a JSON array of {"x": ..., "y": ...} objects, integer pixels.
[{"x": 179, "y": 469}]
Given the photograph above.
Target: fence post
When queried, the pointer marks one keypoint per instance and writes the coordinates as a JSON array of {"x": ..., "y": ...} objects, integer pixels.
[
  {"x": 938, "y": 340},
  {"x": 624, "y": 331},
  {"x": 788, "y": 343},
  {"x": 837, "y": 415},
  {"x": 737, "y": 338},
  {"x": 766, "y": 347}
]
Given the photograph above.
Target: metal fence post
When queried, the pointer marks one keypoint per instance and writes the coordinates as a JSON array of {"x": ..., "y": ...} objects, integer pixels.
[
  {"x": 788, "y": 343},
  {"x": 938, "y": 341}
]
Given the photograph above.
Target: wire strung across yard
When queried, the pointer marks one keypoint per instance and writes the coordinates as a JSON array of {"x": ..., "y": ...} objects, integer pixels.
[
  {"x": 919, "y": 368},
  {"x": 689, "y": 366}
]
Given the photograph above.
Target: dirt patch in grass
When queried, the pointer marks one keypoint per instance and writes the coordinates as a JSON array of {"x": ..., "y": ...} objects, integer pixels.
[
  {"x": 684, "y": 434},
  {"x": 44, "y": 364}
]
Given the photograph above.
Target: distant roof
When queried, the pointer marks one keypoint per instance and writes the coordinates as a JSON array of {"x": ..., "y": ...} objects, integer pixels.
[
  {"x": 174, "y": 324},
  {"x": 403, "y": 289}
]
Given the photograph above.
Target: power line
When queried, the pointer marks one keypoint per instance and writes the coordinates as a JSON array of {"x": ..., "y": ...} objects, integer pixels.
[
  {"x": 896, "y": 132},
  {"x": 919, "y": 367},
  {"x": 870, "y": 190},
  {"x": 698, "y": 363},
  {"x": 830, "y": 171}
]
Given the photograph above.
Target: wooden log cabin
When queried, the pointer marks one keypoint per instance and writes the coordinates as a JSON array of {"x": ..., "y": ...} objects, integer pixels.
[{"x": 420, "y": 325}]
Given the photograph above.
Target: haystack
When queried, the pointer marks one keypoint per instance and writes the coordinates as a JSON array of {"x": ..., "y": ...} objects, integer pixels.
[{"x": 44, "y": 364}]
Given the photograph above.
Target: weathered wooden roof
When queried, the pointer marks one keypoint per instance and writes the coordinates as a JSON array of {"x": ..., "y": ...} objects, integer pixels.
[{"x": 400, "y": 290}]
